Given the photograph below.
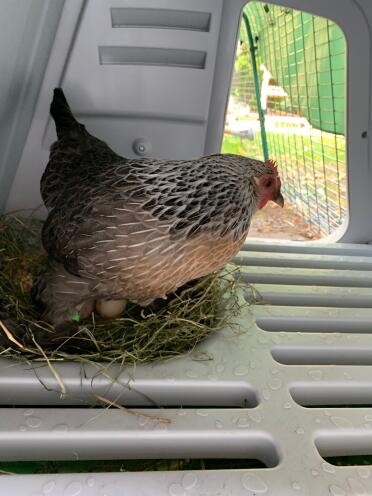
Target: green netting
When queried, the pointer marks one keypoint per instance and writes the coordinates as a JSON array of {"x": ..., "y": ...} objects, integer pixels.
[{"x": 305, "y": 57}]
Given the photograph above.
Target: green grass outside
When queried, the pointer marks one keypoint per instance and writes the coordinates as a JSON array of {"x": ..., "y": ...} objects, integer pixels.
[
  {"x": 313, "y": 171},
  {"x": 99, "y": 466},
  {"x": 89, "y": 466}
]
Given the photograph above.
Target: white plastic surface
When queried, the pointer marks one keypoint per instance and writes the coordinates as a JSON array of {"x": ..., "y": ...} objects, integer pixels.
[{"x": 245, "y": 395}]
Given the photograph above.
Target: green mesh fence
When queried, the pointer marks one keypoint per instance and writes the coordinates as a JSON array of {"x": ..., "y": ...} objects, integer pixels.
[{"x": 302, "y": 78}]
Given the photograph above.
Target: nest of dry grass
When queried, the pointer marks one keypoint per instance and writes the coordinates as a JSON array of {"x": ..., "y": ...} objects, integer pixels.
[{"x": 140, "y": 335}]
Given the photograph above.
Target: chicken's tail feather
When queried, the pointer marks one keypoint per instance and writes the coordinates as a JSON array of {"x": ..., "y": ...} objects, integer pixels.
[{"x": 61, "y": 113}]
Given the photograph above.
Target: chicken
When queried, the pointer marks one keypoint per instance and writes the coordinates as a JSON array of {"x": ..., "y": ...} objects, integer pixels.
[{"x": 137, "y": 229}]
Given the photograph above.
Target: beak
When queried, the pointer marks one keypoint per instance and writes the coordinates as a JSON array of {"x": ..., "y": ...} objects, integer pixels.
[{"x": 279, "y": 200}]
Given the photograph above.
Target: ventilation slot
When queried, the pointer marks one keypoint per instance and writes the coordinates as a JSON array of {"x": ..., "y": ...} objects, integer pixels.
[
  {"x": 310, "y": 248},
  {"x": 307, "y": 277},
  {"x": 175, "y": 394},
  {"x": 350, "y": 460},
  {"x": 168, "y": 57},
  {"x": 336, "y": 394},
  {"x": 314, "y": 324},
  {"x": 141, "y": 465},
  {"x": 356, "y": 443},
  {"x": 322, "y": 355},
  {"x": 160, "y": 18},
  {"x": 319, "y": 299},
  {"x": 302, "y": 261}
]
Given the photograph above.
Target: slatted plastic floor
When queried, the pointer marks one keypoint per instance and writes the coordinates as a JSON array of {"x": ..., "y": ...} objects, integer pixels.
[{"x": 292, "y": 388}]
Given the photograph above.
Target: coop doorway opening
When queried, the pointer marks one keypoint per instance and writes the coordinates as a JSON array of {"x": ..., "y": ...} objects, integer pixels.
[{"x": 288, "y": 103}]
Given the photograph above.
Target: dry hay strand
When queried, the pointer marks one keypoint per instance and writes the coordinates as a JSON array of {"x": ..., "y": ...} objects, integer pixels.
[{"x": 139, "y": 335}]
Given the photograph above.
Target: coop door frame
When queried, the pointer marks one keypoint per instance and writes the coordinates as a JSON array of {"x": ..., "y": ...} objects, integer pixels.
[{"x": 357, "y": 227}]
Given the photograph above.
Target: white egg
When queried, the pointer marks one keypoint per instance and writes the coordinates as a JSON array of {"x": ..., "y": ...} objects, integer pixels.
[{"x": 110, "y": 308}]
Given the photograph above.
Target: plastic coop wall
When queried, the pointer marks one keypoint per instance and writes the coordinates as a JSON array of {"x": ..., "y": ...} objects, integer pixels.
[{"x": 157, "y": 72}]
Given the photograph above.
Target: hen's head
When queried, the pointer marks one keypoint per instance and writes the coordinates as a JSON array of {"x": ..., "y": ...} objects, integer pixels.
[{"x": 268, "y": 185}]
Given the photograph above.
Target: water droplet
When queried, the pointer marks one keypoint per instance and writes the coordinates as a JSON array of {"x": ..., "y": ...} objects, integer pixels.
[
  {"x": 274, "y": 371},
  {"x": 314, "y": 472},
  {"x": 213, "y": 377},
  {"x": 161, "y": 427},
  {"x": 266, "y": 394},
  {"x": 287, "y": 405},
  {"x": 357, "y": 487},
  {"x": 330, "y": 469},
  {"x": 60, "y": 428},
  {"x": 316, "y": 374},
  {"x": 341, "y": 422},
  {"x": 368, "y": 418},
  {"x": 234, "y": 419},
  {"x": 286, "y": 336},
  {"x": 91, "y": 481},
  {"x": 73, "y": 489},
  {"x": 328, "y": 413},
  {"x": 336, "y": 490},
  {"x": 220, "y": 367},
  {"x": 348, "y": 376},
  {"x": 22, "y": 428},
  {"x": 202, "y": 413},
  {"x": 363, "y": 472},
  {"x": 192, "y": 374},
  {"x": 263, "y": 340},
  {"x": 142, "y": 421},
  {"x": 317, "y": 420},
  {"x": 28, "y": 412},
  {"x": 189, "y": 481},
  {"x": 33, "y": 422},
  {"x": 255, "y": 416},
  {"x": 254, "y": 483},
  {"x": 296, "y": 486},
  {"x": 181, "y": 412},
  {"x": 48, "y": 487},
  {"x": 218, "y": 424},
  {"x": 300, "y": 430},
  {"x": 241, "y": 370},
  {"x": 275, "y": 384},
  {"x": 243, "y": 422},
  {"x": 253, "y": 365},
  {"x": 176, "y": 490}
]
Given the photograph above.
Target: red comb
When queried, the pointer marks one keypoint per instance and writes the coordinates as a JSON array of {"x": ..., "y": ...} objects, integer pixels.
[{"x": 272, "y": 165}]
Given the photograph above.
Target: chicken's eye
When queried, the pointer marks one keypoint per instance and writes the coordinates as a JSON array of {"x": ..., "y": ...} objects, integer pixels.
[{"x": 268, "y": 183}]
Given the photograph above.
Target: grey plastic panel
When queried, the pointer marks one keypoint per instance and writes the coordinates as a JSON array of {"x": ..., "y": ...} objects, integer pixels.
[
  {"x": 127, "y": 84},
  {"x": 27, "y": 30},
  {"x": 260, "y": 392}
]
